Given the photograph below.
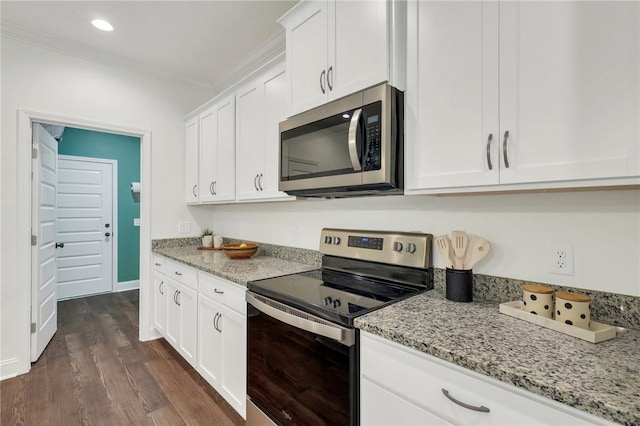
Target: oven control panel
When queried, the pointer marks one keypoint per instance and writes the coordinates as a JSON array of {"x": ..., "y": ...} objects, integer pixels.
[{"x": 411, "y": 249}]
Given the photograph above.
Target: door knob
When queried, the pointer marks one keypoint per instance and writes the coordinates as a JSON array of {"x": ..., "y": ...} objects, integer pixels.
[
  {"x": 61, "y": 245},
  {"x": 107, "y": 234}
]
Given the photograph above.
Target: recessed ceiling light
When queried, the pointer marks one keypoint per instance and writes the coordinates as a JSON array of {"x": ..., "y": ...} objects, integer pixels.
[{"x": 101, "y": 24}]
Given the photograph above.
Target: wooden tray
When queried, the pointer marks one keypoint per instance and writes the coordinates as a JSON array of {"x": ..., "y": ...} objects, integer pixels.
[
  {"x": 597, "y": 332},
  {"x": 209, "y": 248}
]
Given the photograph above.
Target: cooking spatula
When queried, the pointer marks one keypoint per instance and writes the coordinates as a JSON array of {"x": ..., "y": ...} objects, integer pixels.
[
  {"x": 444, "y": 245},
  {"x": 477, "y": 250},
  {"x": 459, "y": 240}
]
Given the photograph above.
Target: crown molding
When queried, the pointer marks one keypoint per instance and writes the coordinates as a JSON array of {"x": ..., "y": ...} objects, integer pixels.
[{"x": 263, "y": 53}]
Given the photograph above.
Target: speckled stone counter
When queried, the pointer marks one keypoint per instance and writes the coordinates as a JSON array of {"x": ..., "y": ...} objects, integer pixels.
[
  {"x": 602, "y": 379},
  {"x": 237, "y": 270}
]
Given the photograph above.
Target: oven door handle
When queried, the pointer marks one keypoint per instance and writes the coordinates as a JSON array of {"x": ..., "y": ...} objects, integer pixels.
[
  {"x": 303, "y": 320},
  {"x": 353, "y": 145}
]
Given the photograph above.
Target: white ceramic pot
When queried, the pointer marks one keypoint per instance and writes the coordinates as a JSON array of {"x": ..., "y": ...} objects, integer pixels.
[
  {"x": 573, "y": 309},
  {"x": 207, "y": 240},
  {"x": 217, "y": 241},
  {"x": 538, "y": 299}
]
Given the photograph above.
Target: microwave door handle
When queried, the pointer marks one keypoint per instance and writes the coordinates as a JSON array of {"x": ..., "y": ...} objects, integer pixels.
[{"x": 353, "y": 146}]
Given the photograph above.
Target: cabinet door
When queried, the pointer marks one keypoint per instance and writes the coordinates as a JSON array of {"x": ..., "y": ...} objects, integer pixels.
[
  {"x": 569, "y": 90},
  {"x": 250, "y": 139},
  {"x": 209, "y": 341},
  {"x": 307, "y": 55},
  {"x": 191, "y": 160},
  {"x": 359, "y": 43},
  {"x": 172, "y": 330},
  {"x": 275, "y": 110},
  {"x": 225, "y": 184},
  {"x": 159, "y": 302},
  {"x": 217, "y": 151},
  {"x": 452, "y": 94},
  {"x": 380, "y": 407},
  {"x": 208, "y": 153},
  {"x": 234, "y": 358},
  {"x": 188, "y": 304}
]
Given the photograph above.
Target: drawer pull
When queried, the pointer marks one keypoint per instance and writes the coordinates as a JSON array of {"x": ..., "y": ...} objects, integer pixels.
[
  {"x": 482, "y": 408},
  {"x": 158, "y": 264},
  {"x": 218, "y": 291},
  {"x": 178, "y": 273}
]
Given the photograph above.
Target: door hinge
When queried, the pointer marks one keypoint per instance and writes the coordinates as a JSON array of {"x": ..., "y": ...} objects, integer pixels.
[
  {"x": 34, "y": 153},
  {"x": 33, "y": 327},
  {"x": 34, "y": 240}
]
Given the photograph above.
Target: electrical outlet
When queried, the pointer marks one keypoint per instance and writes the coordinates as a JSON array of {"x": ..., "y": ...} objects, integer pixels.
[
  {"x": 562, "y": 259},
  {"x": 184, "y": 227}
]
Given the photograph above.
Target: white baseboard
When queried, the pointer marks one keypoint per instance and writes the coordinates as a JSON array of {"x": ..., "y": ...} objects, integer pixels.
[
  {"x": 126, "y": 286},
  {"x": 10, "y": 368}
]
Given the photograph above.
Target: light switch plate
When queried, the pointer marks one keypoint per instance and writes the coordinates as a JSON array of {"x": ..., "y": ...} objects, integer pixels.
[{"x": 136, "y": 221}]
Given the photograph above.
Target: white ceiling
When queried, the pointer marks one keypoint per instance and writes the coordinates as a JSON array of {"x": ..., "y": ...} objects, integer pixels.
[{"x": 203, "y": 44}]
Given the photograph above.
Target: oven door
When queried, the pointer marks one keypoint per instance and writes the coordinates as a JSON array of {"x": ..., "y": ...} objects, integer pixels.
[{"x": 301, "y": 369}]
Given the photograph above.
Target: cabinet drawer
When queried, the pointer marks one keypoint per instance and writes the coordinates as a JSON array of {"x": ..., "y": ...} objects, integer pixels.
[
  {"x": 222, "y": 291},
  {"x": 159, "y": 264},
  {"x": 182, "y": 273},
  {"x": 420, "y": 379}
]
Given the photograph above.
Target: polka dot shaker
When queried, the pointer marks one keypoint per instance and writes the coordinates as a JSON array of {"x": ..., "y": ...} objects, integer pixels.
[
  {"x": 538, "y": 299},
  {"x": 573, "y": 308}
]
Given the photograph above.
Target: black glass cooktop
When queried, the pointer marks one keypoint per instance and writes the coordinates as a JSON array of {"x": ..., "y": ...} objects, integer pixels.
[{"x": 338, "y": 295}]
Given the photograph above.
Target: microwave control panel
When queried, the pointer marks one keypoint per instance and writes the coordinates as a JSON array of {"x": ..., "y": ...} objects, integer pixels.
[{"x": 372, "y": 160}]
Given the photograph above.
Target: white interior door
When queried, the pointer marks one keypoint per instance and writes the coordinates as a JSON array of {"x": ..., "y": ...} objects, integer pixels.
[
  {"x": 43, "y": 269},
  {"x": 85, "y": 226}
]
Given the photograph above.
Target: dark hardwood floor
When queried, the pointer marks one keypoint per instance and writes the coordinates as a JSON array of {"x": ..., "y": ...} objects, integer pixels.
[{"x": 95, "y": 371}]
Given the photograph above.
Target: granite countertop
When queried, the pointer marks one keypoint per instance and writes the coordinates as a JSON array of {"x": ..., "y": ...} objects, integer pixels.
[
  {"x": 601, "y": 379},
  {"x": 239, "y": 271}
]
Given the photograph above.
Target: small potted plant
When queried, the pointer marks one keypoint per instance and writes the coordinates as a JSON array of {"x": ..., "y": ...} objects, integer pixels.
[{"x": 207, "y": 237}]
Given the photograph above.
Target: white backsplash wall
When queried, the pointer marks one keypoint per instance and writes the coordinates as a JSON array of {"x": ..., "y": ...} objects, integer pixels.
[{"x": 602, "y": 226}]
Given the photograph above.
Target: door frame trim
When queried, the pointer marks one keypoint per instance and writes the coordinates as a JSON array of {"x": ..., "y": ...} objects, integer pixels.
[
  {"x": 23, "y": 207},
  {"x": 114, "y": 207}
]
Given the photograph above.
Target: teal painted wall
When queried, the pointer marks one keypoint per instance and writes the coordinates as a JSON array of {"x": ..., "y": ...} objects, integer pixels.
[{"x": 125, "y": 149}]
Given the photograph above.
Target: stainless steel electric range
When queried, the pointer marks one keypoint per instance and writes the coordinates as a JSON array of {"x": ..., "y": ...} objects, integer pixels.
[{"x": 303, "y": 350}]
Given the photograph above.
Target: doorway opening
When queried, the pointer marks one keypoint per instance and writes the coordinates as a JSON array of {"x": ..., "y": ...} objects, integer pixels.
[{"x": 28, "y": 205}]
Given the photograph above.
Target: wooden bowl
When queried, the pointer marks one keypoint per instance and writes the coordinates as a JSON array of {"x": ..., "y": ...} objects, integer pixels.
[{"x": 234, "y": 251}]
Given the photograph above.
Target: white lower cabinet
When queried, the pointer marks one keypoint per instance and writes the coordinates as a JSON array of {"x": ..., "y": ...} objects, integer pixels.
[
  {"x": 159, "y": 302},
  {"x": 182, "y": 320},
  {"x": 402, "y": 386},
  {"x": 222, "y": 339}
]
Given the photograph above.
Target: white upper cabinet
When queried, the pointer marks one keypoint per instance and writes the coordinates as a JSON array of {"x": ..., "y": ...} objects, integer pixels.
[
  {"x": 335, "y": 48},
  {"x": 191, "y": 159},
  {"x": 217, "y": 151},
  {"x": 260, "y": 106},
  {"x": 525, "y": 95}
]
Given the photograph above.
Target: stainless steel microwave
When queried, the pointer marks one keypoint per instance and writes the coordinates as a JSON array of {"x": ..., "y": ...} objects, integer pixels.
[{"x": 348, "y": 147}]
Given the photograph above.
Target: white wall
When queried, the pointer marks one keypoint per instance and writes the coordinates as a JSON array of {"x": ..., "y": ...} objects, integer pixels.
[
  {"x": 604, "y": 228},
  {"x": 52, "y": 83}
]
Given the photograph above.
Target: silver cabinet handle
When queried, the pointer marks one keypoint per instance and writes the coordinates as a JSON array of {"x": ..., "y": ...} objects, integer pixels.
[
  {"x": 353, "y": 148},
  {"x": 178, "y": 273},
  {"x": 175, "y": 297},
  {"x": 178, "y": 297},
  {"x": 194, "y": 190},
  {"x": 218, "y": 291},
  {"x": 489, "y": 140},
  {"x": 158, "y": 264},
  {"x": 215, "y": 183},
  {"x": 211, "y": 188},
  {"x": 482, "y": 408},
  {"x": 160, "y": 287},
  {"x": 260, "y": 182},
  {"x": 322, "y": 81},
  {"x": 218, "y": 323},
  {"x": 330, "y": 78},
  {"x": 255, "y": 185},
  {"x": 504, "y": 149},
  {"x": 215, "y": 318}
]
